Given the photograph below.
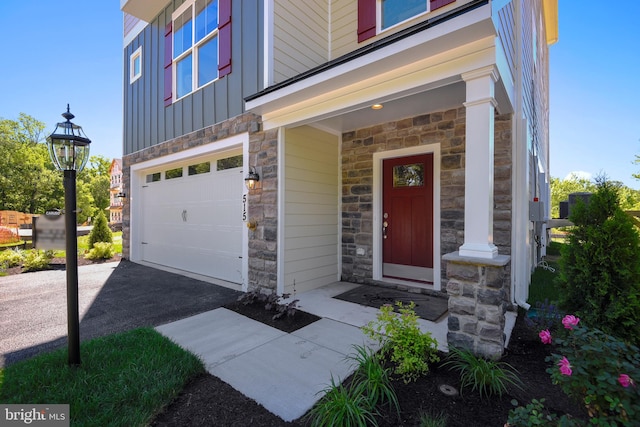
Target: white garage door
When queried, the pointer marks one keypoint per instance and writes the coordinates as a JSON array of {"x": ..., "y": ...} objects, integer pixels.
[{"x": 192, "y": 217}]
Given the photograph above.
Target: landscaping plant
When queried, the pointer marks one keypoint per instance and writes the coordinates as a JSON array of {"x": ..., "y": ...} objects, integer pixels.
[
  {"x": 488, "y": 377},
  {"x": 342, "y": 406},
  {"x": 373, "y": 379},
  {"x": 36, "y": 260},
  {"x": 100, "y": 250},
  {"x": 600, "y": 266},
  {"x": 271, "y": 302},
  {"x": 598, "y": 370},
  {"x": 402, "y": 341},
  {"x": 100, "y": 231},
  {"x": 11, "y": 257}
]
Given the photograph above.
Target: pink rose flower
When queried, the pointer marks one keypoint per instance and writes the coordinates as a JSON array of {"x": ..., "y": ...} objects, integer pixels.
[
  {"x": 569, "y": 321},
  {"x": 625, "y": 380},
  {"x": 565, "y": 367},
  {"x": 545, "y": 336}
]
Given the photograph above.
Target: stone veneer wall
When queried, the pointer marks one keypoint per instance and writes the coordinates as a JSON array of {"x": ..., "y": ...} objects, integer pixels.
[
  {"x": 446, "y": 128},
  {"x": 261, "y": 201}
]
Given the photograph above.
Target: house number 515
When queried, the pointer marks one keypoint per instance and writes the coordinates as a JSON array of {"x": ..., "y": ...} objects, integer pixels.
[{"x": 244, "y": 207}]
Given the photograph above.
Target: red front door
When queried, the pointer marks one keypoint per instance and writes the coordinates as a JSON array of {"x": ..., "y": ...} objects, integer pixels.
[{"x": 408, "y": 217}]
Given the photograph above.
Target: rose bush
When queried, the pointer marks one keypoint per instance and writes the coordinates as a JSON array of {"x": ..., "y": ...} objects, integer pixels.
[{"x": 598, "y": 370}]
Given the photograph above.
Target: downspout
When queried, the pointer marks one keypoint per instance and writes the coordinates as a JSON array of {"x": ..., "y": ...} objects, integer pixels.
[{"x": 520, "y": 146}]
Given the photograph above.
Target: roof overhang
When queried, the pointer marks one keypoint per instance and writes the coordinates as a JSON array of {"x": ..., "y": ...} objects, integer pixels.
[
  {"x": 417, "y": 68},
  {"x": 143, "y": 9}
]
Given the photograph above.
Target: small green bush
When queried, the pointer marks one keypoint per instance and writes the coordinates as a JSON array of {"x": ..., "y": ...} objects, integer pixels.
[
  {"x": 36, "y": 260},
  {"x": 100, "y": 250},
  {"x": 534, "y": 414},
  {"x": 342, "y": 406},
  {"x": 600, "y": 266},
  {"x": 11, "y": 257},
  {"x": 488, "y": 377},
  {"x": 100, "y": 231},
  {"x": 430, "y": 420},
  {"x": 598, "y": 370},
  {"x": 373, "y": 379},
  {"x": 402, "y": 341}
]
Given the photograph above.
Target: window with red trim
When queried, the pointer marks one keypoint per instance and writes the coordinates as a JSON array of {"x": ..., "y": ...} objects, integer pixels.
[
  {"x": 198, "y": 41},
  {"x": 377, "y": 15}
]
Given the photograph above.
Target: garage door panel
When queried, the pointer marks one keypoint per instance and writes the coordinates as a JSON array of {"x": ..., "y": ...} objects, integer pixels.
[{"x": 194, "y": 223}]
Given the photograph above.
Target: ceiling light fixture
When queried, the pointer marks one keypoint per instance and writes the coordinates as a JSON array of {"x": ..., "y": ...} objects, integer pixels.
[{"x": 376, "y": 107}]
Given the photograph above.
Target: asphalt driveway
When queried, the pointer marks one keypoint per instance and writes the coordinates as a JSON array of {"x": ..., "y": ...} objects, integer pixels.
[{"x": 113, "y": 297}]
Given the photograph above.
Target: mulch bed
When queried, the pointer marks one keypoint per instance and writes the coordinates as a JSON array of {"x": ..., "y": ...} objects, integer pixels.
[
  {"x": 60, "y": 263},
  {"x": 207, "y": 400}
]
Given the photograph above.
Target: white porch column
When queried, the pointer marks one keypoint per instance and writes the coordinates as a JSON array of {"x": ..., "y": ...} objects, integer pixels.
[{"x": 478, "y": 194}]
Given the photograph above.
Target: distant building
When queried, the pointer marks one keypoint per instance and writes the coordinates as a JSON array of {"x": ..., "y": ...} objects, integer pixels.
[{"x": 115, "y": 194}]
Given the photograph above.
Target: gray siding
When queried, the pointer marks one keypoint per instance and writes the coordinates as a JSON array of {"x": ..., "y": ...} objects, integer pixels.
[{"x": 148, "y": 122}]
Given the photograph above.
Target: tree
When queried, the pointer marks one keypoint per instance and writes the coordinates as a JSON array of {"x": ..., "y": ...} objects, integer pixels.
[
  {"x": 100, "y": 231},
  {"x": 600, "y": 267},
  {"x": 28, "y": 182},
  {"x": 96, "y": 176},
  {"x": 560, "y": 190}
]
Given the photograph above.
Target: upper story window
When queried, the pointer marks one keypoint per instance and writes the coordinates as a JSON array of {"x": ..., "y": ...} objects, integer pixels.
[
  {"x": 393, "y": 12},
  {"x": 135, "y": 65},
  {"x": 195, "y": 45},
  {"x": 375, "y": 16}
]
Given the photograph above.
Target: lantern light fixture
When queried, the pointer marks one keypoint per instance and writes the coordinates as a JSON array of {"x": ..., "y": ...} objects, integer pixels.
[
  {"x": 68, "y": 145},
  {"x": 252, "y": 179}
]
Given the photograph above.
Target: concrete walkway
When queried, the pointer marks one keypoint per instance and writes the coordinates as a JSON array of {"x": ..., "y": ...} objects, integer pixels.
[{"x": 285, "y": 373}]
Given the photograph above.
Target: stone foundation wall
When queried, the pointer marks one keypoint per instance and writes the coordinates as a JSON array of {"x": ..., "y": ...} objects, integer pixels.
[
  {"x": 478, "y": 300},
  {"x": 446, "y": 128}
]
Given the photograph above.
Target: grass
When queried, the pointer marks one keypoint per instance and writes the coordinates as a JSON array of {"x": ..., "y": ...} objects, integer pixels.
[
  {"x": 124, "y": 379},
  {"x": 543, "y": 285}
]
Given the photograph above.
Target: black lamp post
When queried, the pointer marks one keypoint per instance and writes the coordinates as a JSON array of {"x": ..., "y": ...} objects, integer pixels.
[{"x": 69, "y": 151}]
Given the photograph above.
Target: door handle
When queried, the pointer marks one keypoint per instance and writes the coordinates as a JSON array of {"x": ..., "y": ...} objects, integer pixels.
[
  {"x": 184, "y": 215},
  {"x": 385, "y": 225}
]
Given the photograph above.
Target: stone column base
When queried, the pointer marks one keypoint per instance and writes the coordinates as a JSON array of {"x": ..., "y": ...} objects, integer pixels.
[{"x": 478, "y": 300}]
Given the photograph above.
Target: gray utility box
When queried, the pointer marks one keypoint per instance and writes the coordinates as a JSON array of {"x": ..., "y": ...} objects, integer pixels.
[{"x": 536, "y": 211}]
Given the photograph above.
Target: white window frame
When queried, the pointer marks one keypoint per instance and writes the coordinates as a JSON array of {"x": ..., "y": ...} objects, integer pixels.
[
  {"x": 193, "y": 50},
  {"x": 137, "y": 54},
  {"x": 379, "y": 28}
]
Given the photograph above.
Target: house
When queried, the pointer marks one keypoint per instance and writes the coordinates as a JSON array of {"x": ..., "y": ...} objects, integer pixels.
[
  {"x": 396, "y": 142},
  {"x": 115, "y": 195}
]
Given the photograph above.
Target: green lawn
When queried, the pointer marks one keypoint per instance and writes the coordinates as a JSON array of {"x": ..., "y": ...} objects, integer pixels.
[{"x": 124, "y": 379}]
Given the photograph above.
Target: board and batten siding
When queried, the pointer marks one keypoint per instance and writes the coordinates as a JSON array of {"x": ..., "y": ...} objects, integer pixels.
[
  {"x": 311, "y": 195},
  {"x": 147, "y": 122},
  {"x": 301, "y": 37}
]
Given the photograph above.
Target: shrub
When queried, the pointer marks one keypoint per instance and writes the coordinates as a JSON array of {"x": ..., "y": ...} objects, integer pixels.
[
  {"x": 8, "y": 235},
  {"x": 272, "y": 302},
  {"x": 342, "y": 406},
  {"x": 430, "y": 420},
  {"x": 11, "y": 257},
  {"x": 402, "y": 341},
  {"x": 598, "y": 370},
  {"x": 373, "y": 379},
  {"x": 100, "y": 250},
  {"x": 36, "y": 260},
  {"x": 488, "y": 377},
  {"x": 100, "y": 231},
  {"x": 600, "y": 267},
  {"x": 534, "y": 414}
]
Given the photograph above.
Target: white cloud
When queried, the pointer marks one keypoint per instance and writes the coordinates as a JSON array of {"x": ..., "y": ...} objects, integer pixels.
[{"x": 579, "y": 175}]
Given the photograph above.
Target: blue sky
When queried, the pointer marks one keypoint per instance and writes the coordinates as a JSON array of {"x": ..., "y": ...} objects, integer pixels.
[{"x": 70, "y": 51}]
